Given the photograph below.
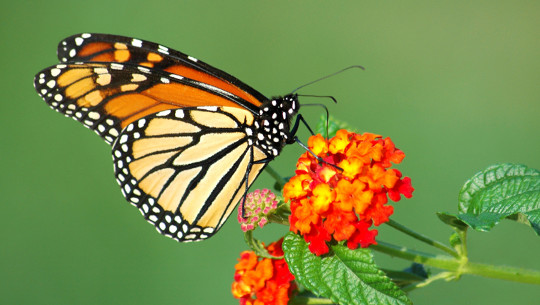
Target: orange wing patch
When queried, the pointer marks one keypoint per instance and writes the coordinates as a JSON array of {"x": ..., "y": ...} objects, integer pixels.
[
  {"x": 94, "y": 48},
  {"x": 186, "y": 96},
  {"x": 211, "y": 80},
  {"x": 124, "y": 93}
]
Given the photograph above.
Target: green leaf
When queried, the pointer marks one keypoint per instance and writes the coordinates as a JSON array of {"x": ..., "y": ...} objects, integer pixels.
[
  {"x": 483, "y": 221},
  {"x": 333, "y": 126},
  {"x": 345, "y": 276},
  {"x": 500, "y": 191},
  {"x": 452, "y": 221}
]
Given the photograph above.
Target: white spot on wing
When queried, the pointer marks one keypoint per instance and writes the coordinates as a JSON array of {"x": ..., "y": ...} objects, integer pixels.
[
  {"x": 101, "y": 70},
  {"x": 136, "y": 43},
  {"x": 116, "y": 66},
  {"x": 143, "y": 69},
  {"x": 136, "y": 77},
  {"x": 163, "y": 113},
  {"x": 179, "y": 113},
  {"x": 176, "y": 76},
  {"x": 209, "y": 108},
  {"x": 55, "y": 72},
  {"x": 93, "y": 115},
  {"x": 163, "y": 49}
]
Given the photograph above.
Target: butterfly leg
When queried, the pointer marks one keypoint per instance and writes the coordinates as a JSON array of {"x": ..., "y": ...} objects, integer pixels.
[
  {"x": 246, "y": 179},
  {"x": 294, "y": 129}
]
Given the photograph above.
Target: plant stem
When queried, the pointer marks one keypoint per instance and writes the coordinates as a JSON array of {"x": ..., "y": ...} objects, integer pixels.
[
  {"x": 279, "y": 180},
  {"x": 281, "y": 215},
  {"x": 441, "y": 276},
  {"x": 422, "y": 238},
  {"x": 462, "y": 266},
  {"x": 301, "y": 300},
  {"x": 503, "y": 273}
]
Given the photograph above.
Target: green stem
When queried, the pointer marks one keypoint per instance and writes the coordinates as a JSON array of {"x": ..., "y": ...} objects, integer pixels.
[
  {"x": 441, "y": 276},
  {"x": 301, "y": 300},
  {"x": 462, "y": 249},
  {"x": 462, "y": 266},
  {"x": 281, "y": 215},
  {"x": 422, "y": 238},
  {"x": 257, "y": 246},
  {"x": 279, "y": 180}
]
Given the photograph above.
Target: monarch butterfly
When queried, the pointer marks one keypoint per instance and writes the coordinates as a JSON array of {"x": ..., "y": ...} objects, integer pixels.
[{"x": 187, "y": 139}]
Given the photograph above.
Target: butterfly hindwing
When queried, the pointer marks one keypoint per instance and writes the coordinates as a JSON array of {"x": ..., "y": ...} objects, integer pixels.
[{"x": 185, "y": 169}]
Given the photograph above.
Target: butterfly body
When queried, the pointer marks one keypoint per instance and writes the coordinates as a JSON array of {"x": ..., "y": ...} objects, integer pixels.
[{"x": 187, "y": 139}]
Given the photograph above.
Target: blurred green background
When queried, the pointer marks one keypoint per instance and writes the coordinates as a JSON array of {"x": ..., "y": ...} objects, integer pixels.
[{"x": 455, "y": 84}]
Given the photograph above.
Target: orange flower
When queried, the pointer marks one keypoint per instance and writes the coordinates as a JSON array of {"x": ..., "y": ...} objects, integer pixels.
[
  {"x": 340, "y": 224},
  {"x": 342, "y": 204},
  {"x": 297, "y": 188},
  {"x": 317, "y": 144},
  {"x": 263, "y": 281},
  {"x": 322, "y": 197},
  {"x": 339, "y": 142},
  {"x": 306, "y": 215},
  {"x": 352, "y": 166},
  {"x": 352, "y": 195}
]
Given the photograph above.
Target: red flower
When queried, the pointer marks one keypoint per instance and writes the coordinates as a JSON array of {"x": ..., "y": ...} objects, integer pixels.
[
  {"x": 263, "y": 281},
  {"x": 342, "y": 204}
]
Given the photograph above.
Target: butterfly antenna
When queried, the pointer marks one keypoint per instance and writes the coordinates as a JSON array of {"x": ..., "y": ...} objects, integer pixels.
[
  {"x": 327, "y": 76},
  {"x": 323, "y": 96}
]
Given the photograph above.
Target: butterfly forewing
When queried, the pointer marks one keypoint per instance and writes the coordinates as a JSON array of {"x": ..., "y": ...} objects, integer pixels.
[
  {"x": 106, "y": 97},
  {"x": 112, "y": 48},
  {"x": 185, "y": 169}
]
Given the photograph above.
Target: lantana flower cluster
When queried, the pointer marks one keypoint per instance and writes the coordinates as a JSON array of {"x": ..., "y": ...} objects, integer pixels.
[
  {"x": 263, "y": 281},
  {"x": 255, "y": 209},
  {"x": 345, "y": 191}
]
